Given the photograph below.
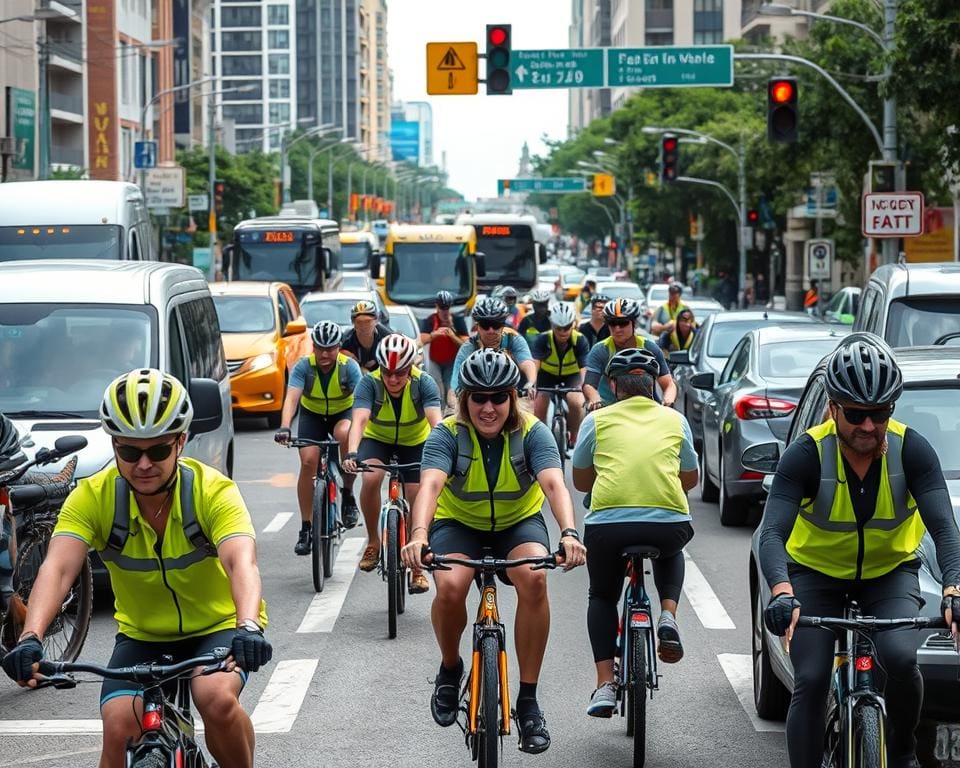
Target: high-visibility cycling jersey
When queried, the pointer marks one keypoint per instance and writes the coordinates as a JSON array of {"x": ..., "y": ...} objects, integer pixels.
[
  {"x": 338, "y": 395},
  {"x": 410, "y": 426},
  {"x": 560, "y": 364}
]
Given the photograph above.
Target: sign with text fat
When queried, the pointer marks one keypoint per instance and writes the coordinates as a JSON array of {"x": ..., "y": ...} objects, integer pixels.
[{"x": 892, "y": 214}]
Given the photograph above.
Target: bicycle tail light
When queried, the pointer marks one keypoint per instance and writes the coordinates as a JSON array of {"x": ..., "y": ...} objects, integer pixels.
[
  {"x": 332, "y": 492},
  {"x": 394, "y": 490},
  {"x": 864, "y": 663},
  {"x": 152, "y": 719},
  {"x": 640, "y": 619}
]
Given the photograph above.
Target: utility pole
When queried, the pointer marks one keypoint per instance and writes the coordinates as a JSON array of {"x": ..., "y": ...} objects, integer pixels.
[
  {"x": 890, "y": 246},
  {"x": 212, "y": 179},
  {"x": 44, "y": 99}
]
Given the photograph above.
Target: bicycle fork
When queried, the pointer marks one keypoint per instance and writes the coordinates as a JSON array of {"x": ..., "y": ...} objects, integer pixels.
[
  {"x": 393, "y": 503},
  {"x": 488, "y": 622}
]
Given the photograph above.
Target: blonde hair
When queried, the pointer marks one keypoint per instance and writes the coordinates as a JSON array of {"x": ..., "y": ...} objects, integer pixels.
[{"x": 514, "y": 419}]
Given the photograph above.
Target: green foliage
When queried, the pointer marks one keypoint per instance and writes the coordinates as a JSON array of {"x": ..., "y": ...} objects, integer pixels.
[{"x": 71, "y": 173}]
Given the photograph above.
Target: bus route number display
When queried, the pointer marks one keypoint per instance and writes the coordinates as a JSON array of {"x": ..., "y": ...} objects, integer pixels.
[
  {"x": 492, "y": 231},
  {"x": 278, "y": 237}
]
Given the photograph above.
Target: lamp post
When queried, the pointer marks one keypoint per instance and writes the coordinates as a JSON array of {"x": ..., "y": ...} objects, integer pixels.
[
  {"x": 285, "y": 148},
  {"x": 345, "y": 140},
  {"x": 312, "y": 156},
  {"x": 617, "y": 200}
]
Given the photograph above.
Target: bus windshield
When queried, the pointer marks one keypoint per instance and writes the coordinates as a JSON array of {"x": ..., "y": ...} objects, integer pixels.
[
  {"x": 276, "y": 255},
  {"x": 509, "y": 254},
  {"x": 355, "y": 256},
  {"x": 88, "y": 241},
  {"x": 416, "y": 271}
]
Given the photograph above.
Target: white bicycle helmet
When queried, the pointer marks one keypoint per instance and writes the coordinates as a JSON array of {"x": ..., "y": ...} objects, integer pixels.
[
  {"x": 626, "y": 309},
  {"x": 396, "y": 352},
  {"x": 326, "y": 334},
  {"x": 561, "y": 315},
  {"x": 145, "y": 403},
  {"x": 541, "y": 296}
]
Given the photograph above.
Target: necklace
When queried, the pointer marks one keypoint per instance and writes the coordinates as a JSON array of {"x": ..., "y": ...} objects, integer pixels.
[{"x": 166, "y": 499}]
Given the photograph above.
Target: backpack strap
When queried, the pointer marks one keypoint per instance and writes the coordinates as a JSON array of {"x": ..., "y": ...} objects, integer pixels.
[
  {"x": 518, "y": 461},
  {"x": 120, "y": 528}
]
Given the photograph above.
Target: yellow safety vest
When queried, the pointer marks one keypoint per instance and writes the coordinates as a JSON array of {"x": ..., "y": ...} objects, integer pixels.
[
  {"x": 411, "y": 427},
  {"x": 556, "y": 363},
  {"x": 671, "y": 313},
  {"x": 467, "y": 496},
  {"x": 825, "y": 536},
  {"x": 675, "y": 343},
  {"x": 622, "y": 479},
  {"x": 337, "y": 397}
]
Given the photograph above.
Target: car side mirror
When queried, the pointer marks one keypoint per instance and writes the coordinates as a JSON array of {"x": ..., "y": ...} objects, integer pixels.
[
  {"x": 375, "y": 265},
  {"x": 327, "y": 255},
  {"x": 680, "y": 357},
  {"x": 480, "y": 260},
  {"x": 294, "y": 327},
  {"x": 207, "y": 406},
  {"x": 706, "y": 380},
  {"x": 541, "y": 253},
  {"x": 761, "y": 457}
]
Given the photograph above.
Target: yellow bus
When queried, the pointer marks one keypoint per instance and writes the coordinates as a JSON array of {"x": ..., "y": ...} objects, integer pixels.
[{"x": 423, "y": 259}]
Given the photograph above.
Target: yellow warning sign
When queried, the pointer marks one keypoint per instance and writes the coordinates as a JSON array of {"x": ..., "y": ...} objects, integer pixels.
[
  {"x": 452, "y": 69},
  {"x": 604, "y": 185}
]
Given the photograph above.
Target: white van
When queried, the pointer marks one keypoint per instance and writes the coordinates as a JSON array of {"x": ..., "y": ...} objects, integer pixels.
[
  {"x": 74, "y": 220},
  {"x": 69, "y": 327}
]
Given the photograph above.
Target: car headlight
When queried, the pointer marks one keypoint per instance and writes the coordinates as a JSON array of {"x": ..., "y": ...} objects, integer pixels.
[{"x": 262, "y": 361}]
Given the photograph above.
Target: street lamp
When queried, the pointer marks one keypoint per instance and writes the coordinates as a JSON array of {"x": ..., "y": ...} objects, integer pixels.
[
  {"x": 285, "y": 147},
  {"x": 314, "y": 151},
  {"x": 346, "y": 140}
]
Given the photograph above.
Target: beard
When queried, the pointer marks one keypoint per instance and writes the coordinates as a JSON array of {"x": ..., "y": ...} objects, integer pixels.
[{"x": 866, "y": 444}]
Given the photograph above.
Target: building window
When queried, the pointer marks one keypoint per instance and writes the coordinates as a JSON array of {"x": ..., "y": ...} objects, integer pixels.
[
  {"x": 658, "y": 38},
  {"x": 240, "y": 16},
  {"x": 279, "y": 89},
  {"x": 707, "y": 21},
  {"x": 658, "y": 21},
  {"x": 243, "y": 113},
  {"x": 279, "y": 64},
  {"x": 278, "y": 15},
  {"x": 279, "y": 113},
  {"x": 240, "y": 65},
  {"x": 255, "y": 92},
  {"x": 241, "y": 41},
  {"x": 278, "y": 39}
]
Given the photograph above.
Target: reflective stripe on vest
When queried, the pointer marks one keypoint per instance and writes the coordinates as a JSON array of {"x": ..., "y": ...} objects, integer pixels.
[
  {"x": 675, "y": 340},
  {"x": 556, "y": 363},
  {"x": 338, "y": 396},
  {"x": 411, "y": 426}
]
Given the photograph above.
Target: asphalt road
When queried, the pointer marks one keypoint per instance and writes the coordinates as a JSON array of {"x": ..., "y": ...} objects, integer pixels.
[{"x": 339, "y": 693}]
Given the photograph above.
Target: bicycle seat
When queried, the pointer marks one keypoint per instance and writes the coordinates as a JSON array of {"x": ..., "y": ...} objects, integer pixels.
[{"x": 641, "y": 550}]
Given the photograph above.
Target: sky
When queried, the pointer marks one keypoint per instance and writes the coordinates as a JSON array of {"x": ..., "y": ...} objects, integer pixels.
[{"x": 482, "y": 135}]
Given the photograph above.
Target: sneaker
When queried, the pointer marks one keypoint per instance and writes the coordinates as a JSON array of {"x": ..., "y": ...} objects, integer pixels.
[
  {"x": 534, "y": 736},
  {"x": 418, "y": 583},
  {"x": 370, "y": 559},
  {"x": 670, "y": 650},
  {"x": 350, "y": 513},
  {"x": 604, "y": 701},
  {"x": 304, "y": 542},
  {"x": 445, "y": 701}
]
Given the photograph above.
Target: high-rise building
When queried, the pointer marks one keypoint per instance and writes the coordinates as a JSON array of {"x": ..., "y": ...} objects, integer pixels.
[
  {"x": 191, "y": 63},
  {"x": 374, "y": 81},
  {"x": 756, "y": 26},
  {"x": 411, "y": 133},
  {"x": 589, "y": 28}
]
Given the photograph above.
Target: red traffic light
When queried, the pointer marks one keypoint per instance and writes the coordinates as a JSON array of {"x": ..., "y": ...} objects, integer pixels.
[
  {"x": 670, "y": 143},
  {"x": 782, "y": 91},
  {"x": 497, "y": 35},
  {"x": 753, "y": 216}
]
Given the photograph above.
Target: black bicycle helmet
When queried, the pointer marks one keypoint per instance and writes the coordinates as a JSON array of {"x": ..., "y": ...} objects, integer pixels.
[
  {"x": 490, "y": 308},
  {"x": 863, "y": 371},
  {"x": 487, "y": 370},
  {"x": 633, "y": 361},
  {"x": 444, "y": 299},
  {"x": 10, "y": 454},
  {"x": 621, "y": 309},
  {"x": 599, "y": 298}
]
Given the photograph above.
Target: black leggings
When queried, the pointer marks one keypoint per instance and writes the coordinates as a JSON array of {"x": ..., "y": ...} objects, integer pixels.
[
  {"x": 606, "y": 567},
  {"x": 894, "y": 595}
]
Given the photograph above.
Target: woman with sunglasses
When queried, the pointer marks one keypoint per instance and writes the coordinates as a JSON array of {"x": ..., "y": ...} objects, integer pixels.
[
  {"x": 850, "y": 502},
  {"x": 179, "y": 546},
  {"x": 490, "y": 318},
  {"x": 560, "y": 354},
  {"x": 485, "y": 474},
  {"x": 394, "y": 409}
]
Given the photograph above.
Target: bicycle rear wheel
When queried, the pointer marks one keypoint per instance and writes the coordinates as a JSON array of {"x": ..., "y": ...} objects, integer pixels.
[
  {"x": 331, "y": 530},
  {"x": 868, "y": 737},
  {"x": 153, "y": 759},
  {"x": 559, "y": 429},
  {"x": 316, "y": 532},
  {"x": 637, "y": 694},
  {"x": 488, "y": 722},
  {"x": 394, "y": 582}
]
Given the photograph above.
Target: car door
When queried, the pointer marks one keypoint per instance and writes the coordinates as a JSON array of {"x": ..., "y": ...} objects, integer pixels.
[
  {"x": 718, "y": 402},
  {"x": 294, "y": 346}
]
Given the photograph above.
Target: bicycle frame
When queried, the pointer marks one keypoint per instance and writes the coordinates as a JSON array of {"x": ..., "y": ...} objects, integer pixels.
[{"x": 636, "y": 614}]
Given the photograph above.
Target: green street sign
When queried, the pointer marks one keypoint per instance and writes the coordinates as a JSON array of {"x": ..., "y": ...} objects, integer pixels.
[
  {"x": 670, "y": 66},
  {"x": 549, "y": 186},
  {"x": 558, "y": 68}
]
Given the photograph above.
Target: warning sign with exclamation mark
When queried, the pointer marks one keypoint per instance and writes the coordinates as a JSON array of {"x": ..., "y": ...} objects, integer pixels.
[{"x": 452, "y": 68}]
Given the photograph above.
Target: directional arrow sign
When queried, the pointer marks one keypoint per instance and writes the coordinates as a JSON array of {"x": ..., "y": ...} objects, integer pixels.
[
  {"x": 670, "y": 66},
  {"x": 564, "y": 68},
  {"x": 555, "y": 186}
]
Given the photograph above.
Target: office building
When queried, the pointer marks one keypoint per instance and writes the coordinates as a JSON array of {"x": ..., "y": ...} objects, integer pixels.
[
  {"x": 756, "y": 26},
  {"x": 411, "y": 133},
  {"x": 191, "y": 63},
  {"x": 375, "y": 94}
]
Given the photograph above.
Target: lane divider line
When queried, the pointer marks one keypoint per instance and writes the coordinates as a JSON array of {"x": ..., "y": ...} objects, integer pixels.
[
  {"x": 279, "y": 520},
  {"x": 738, "y": 667},
  {"x": 325, "y": 606},
  {"x": 281, "y": 700},
  {"x": 703, "y": 599}
]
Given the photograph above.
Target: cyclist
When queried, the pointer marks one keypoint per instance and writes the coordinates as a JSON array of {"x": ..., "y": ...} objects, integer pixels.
[
  {"x": 179, "y": 545},
  {"x": 621, "y": 316},
  {"x": 361, "y": 342},
  {"x": 585, "y": 297},
  {"x": 394, "y": 410},
  {"x": 322, "y": 384},
  {"x": 595, "y": 329},
  {"x": 445, "y": 333},
  {"x": 665, "y": 319},
  {"x": 486, "y": 472},
  {"x": 637, "y": 496},
  {"x": 682, "y": 335},
  {"x": 489, "y": 316},
  {"x": 539, "y": 320},
  {"x": 850, "y": 502},
  {"x": 508, "y": 295},
  {"x": 561, "y": 354}
]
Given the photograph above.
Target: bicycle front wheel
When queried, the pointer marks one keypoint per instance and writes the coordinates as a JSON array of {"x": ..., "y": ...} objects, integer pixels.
[
  {"x": 559, "y": 430},
  {"x": 394, "y": 581},
  {"x": 637, "y": 694},
  {"x": 488, "y": 723},
  {"x": 153, "y": 759},
  {"x": 868, "y": 737},
  {"x": 316, "y": 532}
]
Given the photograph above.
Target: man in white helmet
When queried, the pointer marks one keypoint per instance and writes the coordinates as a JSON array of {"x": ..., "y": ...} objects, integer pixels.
[{"x": 561, "y": 355}]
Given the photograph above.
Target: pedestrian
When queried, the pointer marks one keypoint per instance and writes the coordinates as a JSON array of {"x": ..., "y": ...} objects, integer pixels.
[{"x": 811, "y": 301}]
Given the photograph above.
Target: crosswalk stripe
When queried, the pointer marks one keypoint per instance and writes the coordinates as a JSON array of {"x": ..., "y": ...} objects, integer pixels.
[
  {"x": 281, "y": 699},
  {"x": 325, "y": 607},
  {"x": 279, "y": 520},
  {"x": 738, "y": 667},
  {"x": 703, "y": 599}
]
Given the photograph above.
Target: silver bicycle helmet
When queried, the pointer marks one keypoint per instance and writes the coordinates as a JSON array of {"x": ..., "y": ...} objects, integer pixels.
[
  {"x": 145, "y": 403},
  {"x": 326, "y": 334},
  {"x": 507, "y": 293},
  {"x": 444, "y": 299},
  {"x": 490, "y": 308},
  {"x": 561, "y": 315},
  {"x": 621, "y": 309},
  {"x": 541, "y": 296},
  {"x": 632, "y": 361},
  {"x": 487, "y": 370},
  {"x": 863, "y": 371}
]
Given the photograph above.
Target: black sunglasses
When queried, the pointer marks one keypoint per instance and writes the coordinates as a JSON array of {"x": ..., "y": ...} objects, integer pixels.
[
  {"x": 490, "y": 326},
  {"x": 857, "y": 416},
  {"x": 619, "y": 323},
  {"x": 131, "y": 454},
  {"x": 564, "y": 327},
  {"x": 482, "y": 398}
]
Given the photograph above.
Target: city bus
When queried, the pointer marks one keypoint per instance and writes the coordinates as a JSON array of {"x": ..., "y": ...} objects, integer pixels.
[
  {"x": 300, "y": 251},
  {"x": 420, "y": 260},
  {"x": 510, "y": 248},
  {"x": 357, "y": 249}
]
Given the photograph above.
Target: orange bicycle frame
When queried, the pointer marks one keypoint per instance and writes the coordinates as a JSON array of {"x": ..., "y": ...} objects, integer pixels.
[{"x": 488, "y": 615}]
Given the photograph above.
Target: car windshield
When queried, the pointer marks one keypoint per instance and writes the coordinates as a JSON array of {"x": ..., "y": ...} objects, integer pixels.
[
  {"x": 416, "y": 271},
  {"x": 794, "y": 359},
  {"x": 935, "y": 414},
  {"x": 59, "y": 358},
  {"x": 355, "y": 255},
  {"x": 917, "y": 322},
  {"x": 337, "y": 310},
  {"x": 401, "y": 322},
  {"x": 724, "y": 336},
  {"x": 94, "y": 241},
  {"x": 245, "y": 314},
  {"x": 658, "y": 294},
  {"x": 621, "y": 291}
]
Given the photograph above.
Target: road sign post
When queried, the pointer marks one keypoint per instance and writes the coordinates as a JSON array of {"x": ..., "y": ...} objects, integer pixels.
[
  {"x": 819, "y": 259},
  {"x": 604, "y": 185},
  {"x": 165, "y": 187},
  {"x": 558, "y": 185},
  {"x": 452, "y": 69}
]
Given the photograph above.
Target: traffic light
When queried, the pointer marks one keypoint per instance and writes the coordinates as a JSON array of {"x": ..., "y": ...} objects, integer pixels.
[
  {"x": 218, "y": 187},
  {"x": 883, "y": 176},
  {"x": 753, "y": 217},
  {"x": 782, "y": 115},
  {"x": 498, "y": 60},
  {"x": 669, "y": 157}
]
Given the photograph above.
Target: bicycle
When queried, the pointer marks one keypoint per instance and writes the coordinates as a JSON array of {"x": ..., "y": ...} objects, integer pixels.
[
  {"x": 854, "y": 736},
  {"x": 168, "y": 735},
  {"x": 393, "y": 537},
  {"x": 30, "y": 510},
  {"x": 326, "y": 527},
  {"x": 486, "y": 693},
  {"x": 558, "y": 424}
]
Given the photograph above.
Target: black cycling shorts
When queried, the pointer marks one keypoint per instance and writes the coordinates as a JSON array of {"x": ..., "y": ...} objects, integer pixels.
[
  {"x": 545, "y": 379},
  {"x": 314, "y": 426},
  {"x": 406, "y": 454},
  {"x": 447, "y": 536},
  {"x": 128, "y": 652}
]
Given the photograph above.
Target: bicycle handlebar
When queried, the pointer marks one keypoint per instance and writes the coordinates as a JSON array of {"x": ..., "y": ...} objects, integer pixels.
[
  {"x": 487, "y": 564},
  {"x": 364, "y": 467},
  {"x": 306, "y": 442},
  {"x": 559, "y": 390},
  {"x": 215, "y": 661},
  {"x": 870, "y": 623}
]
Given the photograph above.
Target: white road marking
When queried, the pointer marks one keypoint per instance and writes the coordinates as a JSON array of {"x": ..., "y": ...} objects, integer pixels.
[
  {"x": 325, "y": 607},
  {"x": 279, "y": 520},
  {"x": 49, "y": 756},
  {"x": 281, "y": 699},
  {"x": 49, "y": 727},
  {"x": 738, "y": 667},
  {"x": 704, "y": 600}
]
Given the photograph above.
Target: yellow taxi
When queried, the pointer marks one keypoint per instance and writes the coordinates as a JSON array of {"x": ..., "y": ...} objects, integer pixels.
[{"x": 264, "y": 334}]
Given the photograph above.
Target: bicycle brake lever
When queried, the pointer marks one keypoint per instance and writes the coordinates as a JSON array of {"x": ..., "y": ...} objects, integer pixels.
[{"x": 61, "y": 681}]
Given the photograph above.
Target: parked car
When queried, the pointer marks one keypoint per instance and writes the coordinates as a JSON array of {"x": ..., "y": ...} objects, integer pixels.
[
  {"x": 842, "y": 307},
  {"x": 752, "y": 402},
  {"x": 716, "y": 337},
  {"x": 912, "y": 305},
  {"x": 336, "y": 306},
  {"x": 930, "y": 404},
  {"x": 264, "y": 334},
  {"x": 702, "y": 307}
]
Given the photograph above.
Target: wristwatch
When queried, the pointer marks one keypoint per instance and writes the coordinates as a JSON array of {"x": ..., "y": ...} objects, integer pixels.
[
  {"x": 250, "y": 625},
  {"x": 571, "y": 532}
]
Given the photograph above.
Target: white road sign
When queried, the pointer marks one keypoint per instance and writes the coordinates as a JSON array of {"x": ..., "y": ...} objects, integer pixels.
[
  {"x": 819, "y": 259},
  {"x": 165, "y": 187},
  {"x": 892, "y": 214}
]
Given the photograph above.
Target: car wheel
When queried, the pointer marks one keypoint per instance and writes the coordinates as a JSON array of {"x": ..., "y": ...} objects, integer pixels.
[
  {"x": 770, "y": 696},
  {"x": 708, "y": 491},
  {"x": 733, "y": 512}
]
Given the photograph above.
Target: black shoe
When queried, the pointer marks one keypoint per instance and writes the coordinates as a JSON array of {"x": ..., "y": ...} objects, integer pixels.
[
  {"x": 445, "y": 702},
  {"x": 349, "y": 513},
  {"x": 304, "y": 542},
  {"x": 534, "y": 737}
]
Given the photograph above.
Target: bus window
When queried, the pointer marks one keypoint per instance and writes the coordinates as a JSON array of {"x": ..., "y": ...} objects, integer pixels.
[
  {"x": 510, "y": 254},
  {"x": 416, "y": 271}
]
